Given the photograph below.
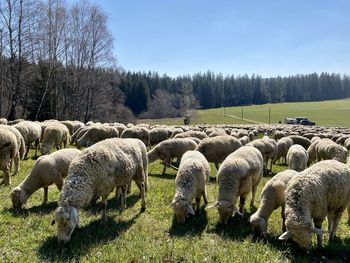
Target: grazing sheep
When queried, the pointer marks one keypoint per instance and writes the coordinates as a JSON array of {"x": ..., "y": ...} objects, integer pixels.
[
  {"x": 69, "y": 125},
  {"x": 268, "y": 149},
  {"x": 312, "y": 151},
  {"x": 198, "y": 134},
  {"x": 216, "y": 149},
  {"x": 175, "y": 132},
  {"x": 55, "y": 134},
  {"x": 279, "y": 135},
  {"x": 297, "y": 139},
  {"x": 140, "y": 133},
  {"x": 157, "y": 135},
  {"x": 193, "y": 173},
  {"x": 272, "y": 197},
  {"x": 239, "y": 174},
  {"x": 283, "y": 146},
  {"x": 244, "y": 140},
  {"x": 328, "y": 150},
  {"x": 217, "y": 132},
  {"x": 168, "y": 149},
  {"x": 31, "y": 132},
  {"x": 47, "y": 170},
  {"x": 297, "y": 158},
  {"x": 8, "y": 151},
  {"x": 96, "y": 172},
  {"x": 319, "y": 191},
  {"x": 95, "y": 134}
]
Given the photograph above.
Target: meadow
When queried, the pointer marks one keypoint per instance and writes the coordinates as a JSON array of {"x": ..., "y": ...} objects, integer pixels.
[
  {"x": 152, "y": 236},
  {"x": 323, "y": 113}
]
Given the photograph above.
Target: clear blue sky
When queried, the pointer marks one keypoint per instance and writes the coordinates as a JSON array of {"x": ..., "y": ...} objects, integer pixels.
[{"x": 268, "y": 37}]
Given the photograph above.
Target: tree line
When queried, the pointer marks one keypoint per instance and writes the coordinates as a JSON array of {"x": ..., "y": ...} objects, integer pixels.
[{"x": 56, "y": 61}]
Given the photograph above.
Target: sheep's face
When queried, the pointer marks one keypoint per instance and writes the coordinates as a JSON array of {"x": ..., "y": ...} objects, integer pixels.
[
  {"x": 18, "y": 197},
  {"x": 45, "y": 149},
  {"x": 67, "y": 220},
  {"x": 302, "y": 236},
  {"x": 226, "y": 210},
  {"x": 259, "y": 224},
  {"x": 182, "y": 209}
]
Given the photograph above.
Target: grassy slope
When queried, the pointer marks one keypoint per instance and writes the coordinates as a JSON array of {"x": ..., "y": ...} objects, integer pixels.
[
  {"x": 152, "y": 236},
  {"x": 324, "y": 113}
]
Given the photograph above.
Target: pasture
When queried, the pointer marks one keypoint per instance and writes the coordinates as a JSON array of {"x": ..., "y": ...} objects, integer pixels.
[
  {"x": 323, "y": 113},
  {"x": 152, "y": 236}
]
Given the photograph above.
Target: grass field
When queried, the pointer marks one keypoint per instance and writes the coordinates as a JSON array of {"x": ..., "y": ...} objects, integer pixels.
[
  {"x": 152, "y": 236},
  {"x": 324, "y": 113}
]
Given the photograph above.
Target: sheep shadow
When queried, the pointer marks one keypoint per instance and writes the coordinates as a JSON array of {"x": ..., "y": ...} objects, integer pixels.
[
  {"x": 194, "y": 225},
  {"x": 42, "y": 209},
  {"x": 83, "y": 239}
]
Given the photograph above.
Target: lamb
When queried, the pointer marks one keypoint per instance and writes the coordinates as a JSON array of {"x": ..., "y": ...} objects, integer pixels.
[
  {"x": 297, "y": 158},
  {"x": 141, "y": 133},
  {"x": 297, "y": 139},
  {"x": 198, "y": 134},
  {"x": 239, "y": 174},
  {"x": 55, "y": 134},
  {"x": 216, "y": 149},
  {"x": 31, "y": 132},
  {"x": 327, "y": 149},
  {"x": 283, "y": 146},
  {"x": 96, "y": 172},
  {"x": 319, "y": 191},
  {"x": 95, "y": 134},
  {"x": 47, "y": 170},
  {"x": 168, "y": 149},
  {"x": 272, "y": 197},
  {"x": 8, "y": 151},
  {"x": 193, "y": 173}
]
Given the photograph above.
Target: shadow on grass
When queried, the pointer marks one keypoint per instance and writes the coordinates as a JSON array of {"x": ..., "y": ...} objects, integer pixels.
[
  {"x": 194, "y": 225},
  {"x": 39, "y": 209},
  {"x": 166, "y": 176},
  {"x": 94, "y": 234}
]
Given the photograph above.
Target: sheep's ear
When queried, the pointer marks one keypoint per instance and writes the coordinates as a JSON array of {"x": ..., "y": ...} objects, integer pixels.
[
  {"x": 171, "y": 205},
  {"x": 53, "y": 222},
  {"x": 285, "y": 236},
  {"x": 190, "y": 209},
  {"x": 317, "y": 231},
  {"x": 216, "y": 204}
]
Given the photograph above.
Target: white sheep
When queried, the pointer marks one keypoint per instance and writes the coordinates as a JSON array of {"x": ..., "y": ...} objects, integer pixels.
[
  {"x": 95, "y": 173},
  {"x": 327, "y": 149},
  {"x": 312, "y": 150},
  {"x": 268, "y": 149},
  {"x": 168, "y": 149},
  {"x": 319, "y": 191},
  {"x": 297, "y": 158},
  {"x": 140, "y": 133},
  {"x": 198, "y": 134},
  {"x": 193, "y": 173},
  {"x": 55, "y": 134},
  {"x": 47, "y": 170},
  {"x": 3, "y": 121},
  {"x": 8, "y": 151},
  {"x": 272, "y": 197},
  {"x": 238, "y": 175},
  {"x": 97, "y": 133},
  {"x": 283, "y": 146},
  {"x": 31, "y": 132}
]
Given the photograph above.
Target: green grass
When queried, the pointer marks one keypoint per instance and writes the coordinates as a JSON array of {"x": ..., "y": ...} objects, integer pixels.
[
  {"x": 324, "y": 113},
  {"x": 152, "y": 236}
]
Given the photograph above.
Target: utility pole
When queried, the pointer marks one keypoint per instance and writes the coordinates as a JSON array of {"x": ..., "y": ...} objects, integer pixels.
[
  {"x": 269, "y": 115},
  {"x": 242, "y": 113}
]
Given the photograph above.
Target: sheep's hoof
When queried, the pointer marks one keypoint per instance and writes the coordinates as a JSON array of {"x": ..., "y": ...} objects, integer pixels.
[{"x": 143, "y": 209}]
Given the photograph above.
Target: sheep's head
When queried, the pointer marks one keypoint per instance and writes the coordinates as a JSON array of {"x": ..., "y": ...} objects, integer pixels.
[
  {"x": 259, "y": 224},
  {"x": 301, "y": 235},
  {"x": 45, "y": 149},
  {"x": 226, "y": 210},
  {"x": 67, "y": 219},
  {"x": 18, "y": 197},
  {"x": 182, "y": 209}
]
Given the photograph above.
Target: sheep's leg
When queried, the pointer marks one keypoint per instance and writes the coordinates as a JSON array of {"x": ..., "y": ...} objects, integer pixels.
[
  {"x": 118, "y": 193},
  {"x": 7, "y": 179},
  {"x": 216, "y": 166},
  {"x": 241, "y": 204},
  {"x": 26, "y": 155},
  {"x": 318, "y": 224},
  {"x": 128, "y": 188},
  {"x": 253, "y": 195},
  {"x": 283, "y": 219},
  {"x": 16, "y": 160},
  {"x": 335, "y": 225},
  {"x": 349, "y": 214},
  {"x": 141, "y": 186},
  {"x": 123, "y": 197},
  {"x": 36, "y": 148},
  {"x": 198, "y": 203},
  {"x": 205, "y": 198},
  {"x": 46, "y": 190},
  {"x": 164, "y": 168},
  {"x": 104, "y": 209}
]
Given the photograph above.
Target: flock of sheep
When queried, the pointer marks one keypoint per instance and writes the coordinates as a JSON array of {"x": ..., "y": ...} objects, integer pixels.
[{"x": 316, "y": 186}]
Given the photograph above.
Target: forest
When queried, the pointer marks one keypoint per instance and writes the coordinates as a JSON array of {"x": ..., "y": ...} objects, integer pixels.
[{"x": 57, "y": 60}]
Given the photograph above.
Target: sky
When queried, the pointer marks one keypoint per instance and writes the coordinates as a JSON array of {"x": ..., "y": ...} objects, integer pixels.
[{"x": 265, "y": 37}]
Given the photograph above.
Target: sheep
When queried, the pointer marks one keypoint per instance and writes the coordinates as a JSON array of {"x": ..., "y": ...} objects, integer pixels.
[
  {"x": 3, "y": 121},
  {"x": 79, "y": 133},
  {"x": 175, "y": 132},
  {"x": 312, "y": 151},
  {"x": 272, "y": 197},
  {"x": 168, "y": 149},
  {"x": 347, "y": 144},
  {"x": 198, "y": 134},
  {"x": 47, "y": 170},
  {"x": 95, "y": 134},
  {"x": 297, "y": 158},
  {"x": 341, "y": 140},
  {"x": 55, "y": 134},
  {"x": 141, "y": 133},
  {"x": 216, "y": 149},
  {"x": 319, "y": 191},
  {"x": 251, "y": 136},
  {"x": 21, "y": 146},
  {"x": 283, "y": 146},
  {"x": 327, "y": 149},
  {"x": 268, "y": 149},
  {"x": 31, "y": 132},
  {"x": 8, "y": 151},
  {"x": 96, "y": 172},
  {"x": 69, "y": 125},
  {"x": 238, "y": 175},
  {"x": 297, "y": 139},
  {"x": 279, "y": 135},
  {"x": 217, "y": 132},
  {"x": 158, "y": 135},
  {"x": 193, "y": 173},
  {"x": 244, "y": 140}
]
